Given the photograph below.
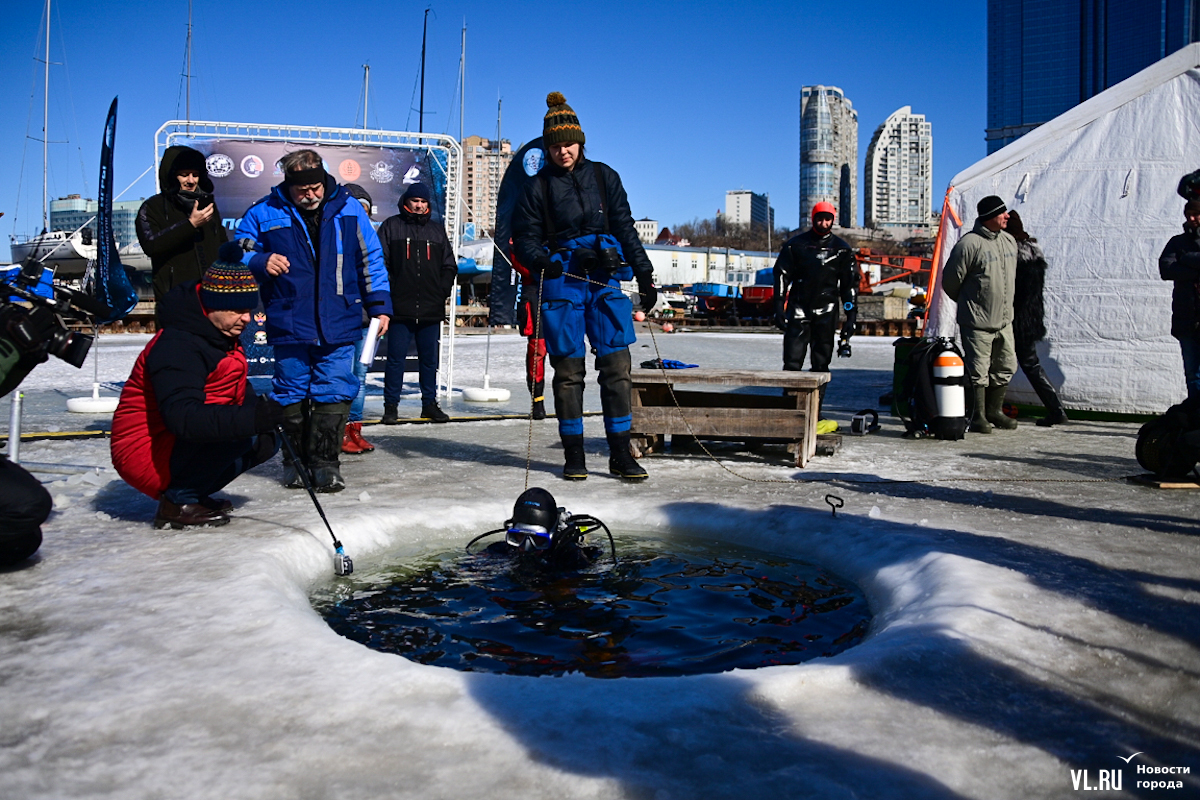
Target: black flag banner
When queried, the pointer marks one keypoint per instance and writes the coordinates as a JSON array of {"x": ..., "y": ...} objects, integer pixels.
[{"x": 108, "y": 282}]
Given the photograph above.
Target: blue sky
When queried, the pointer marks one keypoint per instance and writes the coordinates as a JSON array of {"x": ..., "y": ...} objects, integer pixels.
[{"x": 685, "y": 100}]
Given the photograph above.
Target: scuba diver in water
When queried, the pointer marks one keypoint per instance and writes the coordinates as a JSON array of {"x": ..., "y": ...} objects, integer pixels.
[{"x": 542, "y": 534}]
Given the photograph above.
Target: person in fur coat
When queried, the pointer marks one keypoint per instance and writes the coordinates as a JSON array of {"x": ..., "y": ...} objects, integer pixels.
[{"x": 1029, "y": 325}]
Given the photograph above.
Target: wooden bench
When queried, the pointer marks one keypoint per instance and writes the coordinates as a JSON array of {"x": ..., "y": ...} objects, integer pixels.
[{"x": 790, "y": 417}]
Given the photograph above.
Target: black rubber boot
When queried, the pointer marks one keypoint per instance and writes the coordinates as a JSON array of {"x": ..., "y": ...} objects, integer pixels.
[
  {"x": 537, "y": 392},
  {"x": 979, "y": 423},
  {"x": 621, "y": 461},
  {"x": 390, "y": 415},
  {"x": 994, "y": 410},
  {"x": 575, "y": 462},
  {"x": 325, "y": 445},
  {"x": 295, "y": 427}
]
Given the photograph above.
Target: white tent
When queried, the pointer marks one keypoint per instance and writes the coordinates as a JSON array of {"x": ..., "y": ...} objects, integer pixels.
[{"x": 1096, "y": 187}]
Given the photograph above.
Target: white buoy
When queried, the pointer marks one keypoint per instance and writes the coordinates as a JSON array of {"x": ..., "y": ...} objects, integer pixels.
[
  {"x": 94, "y": 404},
  {"x": 487, "y": 394}
]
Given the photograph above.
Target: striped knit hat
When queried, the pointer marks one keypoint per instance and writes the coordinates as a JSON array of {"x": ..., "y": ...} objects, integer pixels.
[
  {"x": 560, "y": 125},
  {"x": 228, "y": 285}
]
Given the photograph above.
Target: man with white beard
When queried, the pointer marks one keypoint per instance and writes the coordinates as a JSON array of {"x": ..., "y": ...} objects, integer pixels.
[{"x": 319, "y": 265}]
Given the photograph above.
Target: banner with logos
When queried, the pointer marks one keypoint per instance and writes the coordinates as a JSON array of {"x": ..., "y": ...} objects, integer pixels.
[{"x": 243, "y": 172}]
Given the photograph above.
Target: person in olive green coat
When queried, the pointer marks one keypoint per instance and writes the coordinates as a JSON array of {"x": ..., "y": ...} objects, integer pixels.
[{"x": 980, "y": 276}]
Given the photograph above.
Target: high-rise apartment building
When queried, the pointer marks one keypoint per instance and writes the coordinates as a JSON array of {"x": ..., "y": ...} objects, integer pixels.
[
  {"x": 1046, "y": 56},
  {"x": 484, "y": 162},
  {"x": 828, "y": 154},
  {"x": 743, "y": 207},
  {"x": 898, "y": 190}
]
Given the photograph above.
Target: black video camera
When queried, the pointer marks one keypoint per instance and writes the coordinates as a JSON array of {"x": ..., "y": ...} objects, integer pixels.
[{"x": 42, "y": 327}]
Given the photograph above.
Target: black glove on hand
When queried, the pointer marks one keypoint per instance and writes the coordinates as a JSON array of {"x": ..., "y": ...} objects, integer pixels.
[
  {"x": 548, "y": 267},
  {"x": 780, "y": 318},
  {"x": 647, "y": 291},
  {"x": 267, "y": 414},
  {"x": 844, "y": 347}
]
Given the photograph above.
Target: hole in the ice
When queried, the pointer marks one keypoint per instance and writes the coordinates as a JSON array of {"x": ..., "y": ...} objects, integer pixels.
[{"x": 667, "y": 608}]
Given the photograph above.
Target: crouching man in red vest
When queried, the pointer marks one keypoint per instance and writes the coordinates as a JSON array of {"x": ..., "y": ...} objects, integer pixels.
[{"x": 189, "y": 422}]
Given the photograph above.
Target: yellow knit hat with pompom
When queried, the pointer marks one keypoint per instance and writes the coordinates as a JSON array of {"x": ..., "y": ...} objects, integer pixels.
[{"x": 560, "y": 123}]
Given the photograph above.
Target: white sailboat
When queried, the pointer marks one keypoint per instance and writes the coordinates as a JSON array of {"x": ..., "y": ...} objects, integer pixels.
[{"x": 65, "y": 252}]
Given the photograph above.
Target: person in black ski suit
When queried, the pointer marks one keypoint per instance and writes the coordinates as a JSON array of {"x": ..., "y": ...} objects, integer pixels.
[
  {"x": 421, "y": 271},
  {"x": 180, "y": 227},
  {"x": 1029, "y": 326},
  {"x": 1180, "y": 262},
  {"x": 815, "y": 274},
  {"x": 573, "y": 229}
]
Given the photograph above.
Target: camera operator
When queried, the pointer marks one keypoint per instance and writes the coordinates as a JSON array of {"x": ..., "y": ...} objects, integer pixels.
[{"x": 24, "y": 502}]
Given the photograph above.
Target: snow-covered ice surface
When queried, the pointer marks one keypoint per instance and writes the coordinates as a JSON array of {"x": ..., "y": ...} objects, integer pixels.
[{"x": 1025, "y": 627}]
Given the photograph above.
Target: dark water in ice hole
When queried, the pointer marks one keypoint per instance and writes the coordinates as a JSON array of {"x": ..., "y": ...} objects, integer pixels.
[{"x": 683, "y": 607}]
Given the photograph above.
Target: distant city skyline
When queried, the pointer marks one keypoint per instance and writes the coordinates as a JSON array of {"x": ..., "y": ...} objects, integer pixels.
[{"x": 678, "y": 141}]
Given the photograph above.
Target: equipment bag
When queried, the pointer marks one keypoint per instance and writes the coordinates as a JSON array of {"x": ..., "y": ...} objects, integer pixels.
[{"x": 1167, "y": 446}]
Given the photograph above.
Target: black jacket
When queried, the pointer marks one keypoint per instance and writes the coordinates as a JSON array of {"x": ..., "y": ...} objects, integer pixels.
[
  {"x": 1180, "y": 262},
  {"x": 1029, "y": 324},
  {"x": 179, "y": 367},
  {"x": 178, "y": 252},
  {"x": 576, "y": 210},
  {"x": 420, "y": 264},
  {"x": 813, "y": 272}
]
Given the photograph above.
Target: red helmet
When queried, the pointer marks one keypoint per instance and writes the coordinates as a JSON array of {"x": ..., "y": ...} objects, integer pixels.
[{"x": 824, "y": 208}]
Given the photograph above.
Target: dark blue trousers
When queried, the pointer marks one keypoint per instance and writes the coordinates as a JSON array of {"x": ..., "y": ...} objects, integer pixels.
[{"x": 428, "y": 335}]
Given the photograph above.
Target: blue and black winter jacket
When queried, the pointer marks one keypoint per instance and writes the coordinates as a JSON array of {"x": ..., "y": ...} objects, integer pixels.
[
  {"x": 577, "y": 213},
  {"x": 321, "y": 298}
]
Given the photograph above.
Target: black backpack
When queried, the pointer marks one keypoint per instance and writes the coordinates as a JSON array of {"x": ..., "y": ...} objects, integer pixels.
[{"x": 916, "y": 403}]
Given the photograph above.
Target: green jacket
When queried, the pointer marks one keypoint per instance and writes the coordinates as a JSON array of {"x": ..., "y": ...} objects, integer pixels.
[{"x": 981, "y": 276}]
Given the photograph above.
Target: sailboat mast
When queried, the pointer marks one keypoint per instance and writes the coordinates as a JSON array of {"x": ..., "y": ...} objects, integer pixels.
[
  {"x": 462, "y": 81},
  {"x": 366, "y": 91},
  {"x": 188, "y": 78},
  {"x": 421, "y": 112},
  {"x": 46, "y": 130}
]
